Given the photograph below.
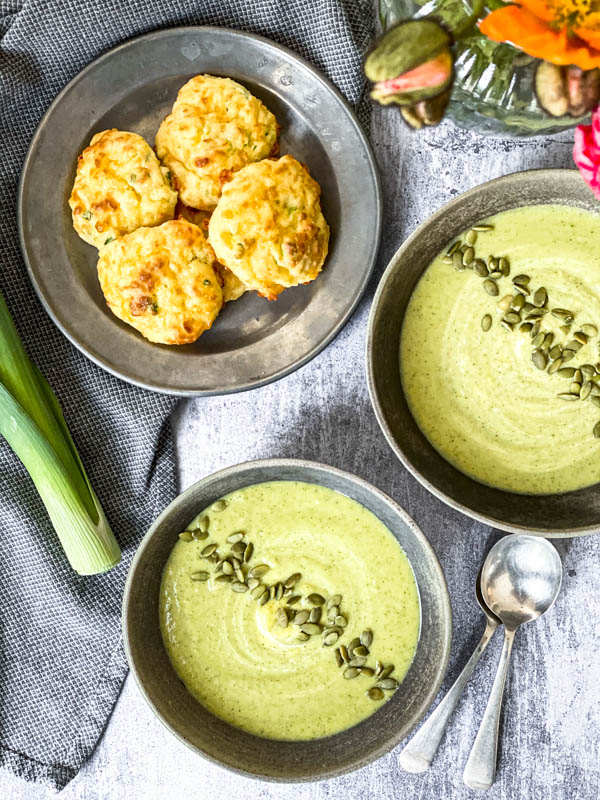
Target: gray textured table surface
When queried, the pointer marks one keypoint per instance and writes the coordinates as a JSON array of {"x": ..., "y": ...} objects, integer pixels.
[{"x": 551, "y": 727}]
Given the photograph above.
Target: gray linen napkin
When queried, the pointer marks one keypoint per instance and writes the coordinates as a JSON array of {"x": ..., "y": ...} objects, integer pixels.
[{"x": 61, "y": 658}]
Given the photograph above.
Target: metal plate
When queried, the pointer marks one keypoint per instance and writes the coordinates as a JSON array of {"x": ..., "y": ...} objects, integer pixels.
[{"x": 132, "y": 87}]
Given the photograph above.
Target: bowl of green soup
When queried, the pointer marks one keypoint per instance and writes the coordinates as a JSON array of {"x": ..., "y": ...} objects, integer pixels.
[
  {"x": 483, "y": 353},
  {"x": 287, "y": 620}
]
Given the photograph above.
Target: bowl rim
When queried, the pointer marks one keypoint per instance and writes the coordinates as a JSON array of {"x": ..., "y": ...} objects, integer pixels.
[
  {"x": 512, "y": 177},
  {"x": 301, "y": 465}
]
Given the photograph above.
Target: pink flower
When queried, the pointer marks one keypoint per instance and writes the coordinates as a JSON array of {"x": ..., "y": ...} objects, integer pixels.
[{"x": 586, "y": 152}]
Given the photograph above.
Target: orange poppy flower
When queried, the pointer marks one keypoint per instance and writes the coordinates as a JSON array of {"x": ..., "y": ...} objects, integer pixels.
[{"x": 561, "y": 31}]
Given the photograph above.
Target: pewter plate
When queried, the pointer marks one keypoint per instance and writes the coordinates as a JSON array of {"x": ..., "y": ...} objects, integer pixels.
[
  {"x": 272, "y": 759},
  {"x": 132, "y": 87}
]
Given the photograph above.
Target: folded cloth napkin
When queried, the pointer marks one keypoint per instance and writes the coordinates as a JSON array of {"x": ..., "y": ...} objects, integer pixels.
[{"x": 61, "y": 657}]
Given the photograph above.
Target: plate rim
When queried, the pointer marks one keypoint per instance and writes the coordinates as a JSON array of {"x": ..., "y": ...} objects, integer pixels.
[{"x": 372, "y": 168}]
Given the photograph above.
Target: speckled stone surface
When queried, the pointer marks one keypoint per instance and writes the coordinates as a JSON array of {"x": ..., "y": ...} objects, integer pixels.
[{"x": 551, "y": 724}]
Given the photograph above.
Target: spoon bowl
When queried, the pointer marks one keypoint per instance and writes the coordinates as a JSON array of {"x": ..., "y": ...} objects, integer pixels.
[{"x": 521, "y": 579}]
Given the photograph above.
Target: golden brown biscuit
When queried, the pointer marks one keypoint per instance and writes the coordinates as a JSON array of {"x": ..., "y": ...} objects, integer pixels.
[
  {"x": 161, "y": 281},
  {"x": 232, "y": 287},
  {"x": 268, "y": 227},
  {"x": 119, "y": 186},
  {"x": 215, "y": 128}
]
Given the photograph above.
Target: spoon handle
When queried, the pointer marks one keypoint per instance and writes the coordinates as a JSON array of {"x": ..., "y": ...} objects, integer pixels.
[
  {"x": 419, "y": 752},
  {"x": 480, "y": 770}
]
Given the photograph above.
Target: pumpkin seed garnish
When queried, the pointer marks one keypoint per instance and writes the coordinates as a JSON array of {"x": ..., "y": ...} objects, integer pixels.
[
  {"x": 597, "y": 430},
  {"x": 258, "y": 571},
  {"x": 555, "y": 367},
  {"x": 357, "y": 661},
  {"x": 203, "y": 524},
  {"x": 490, "y": 287},
  {"x": 301, "y": 617},
  {"x": 580, "y": 337},
  {"x": 595, "y": 398},
  {"x": 208, "y": 550},
  {"x": 388, "y": 683},
  {"x": 199, "y": 576},
  {"x": 504, "y": 266},
  {"x": 361, "y": 650},
  {"x": 539, "y": 358},
  {"x": 590, "y": 330},
  {"x": 568, "y": 355},
  {"x": 483, "y": 227},
  {"x": 315, "y": 599},
  {"x": 385, "y": 673},
  {"x": 518, "y": 302},
  {"x": 575, "y": 388},
  {"x": 568, "y": 396},
  {"x": 186, "y": 536},
  {"x": 540, "y": 297},
  {"x": 236, "y": 537},
  {"x": 344, "y": 653},
  {"x": 375, "y": 693},
  {"x": 354, "y": 643},
  {"x": 585, "y": 390},
  {"x": 453, "y": 248},
  {"x": 330, "y": 639},
  {"x": 248, "y": 552},
  {"x": 238, "y": 586},
  {"x": 227, "y": 567},
  {"x": 315, "y": 614},
  {"x": 587, "y": 370},
  {"x": 535, "y": 329},
  {"x": 311, "y": 628},
  {"x": 282, "y": 617},
  {"x": 457, "y": 260},
  {"x": 272, "y": 591},
  {"x": 512, "y": 317},
  {"x": 302, "y": 637},
  {"x": 506, "y": 302},
  {"x": 563, "y": 314},
  {"x": 525, "y": 327},
  {"x": 338, "y": 657},
  {"x": 293, "y": 599},
  {"x": 578, "y": 376},
  {"x": 334, "y": 600},
  {"x": 566, "y": 372},
  {"x": 200, "y": 535},
  {"x": 264, "y": 598},
  {"x": 566, "y": 329},
  {"x": 351, "y": 672},
  {"x": 508, "y": 325},
  {"x": 555, "y": 352},
  {"x": 258, "y": 590},
  {"x": 368, "y": 671},
  {"x": 292, "y": 580},
  {"x": 223, "y": 579},
  {"x": 253, "y": 583},
  {"x": 468, "y": 256},
  {"x": 239, "y": 574},
  {"x": 220, "y": 505},
  {"x": 521, "y": 280},
  {"x": 471, "y": 237},
  {"x": 341, "y": 621},
  {"x": 480, "y": 268},
  {"x": 366, "y": 637},
  {"x": 574, "y": 345}
]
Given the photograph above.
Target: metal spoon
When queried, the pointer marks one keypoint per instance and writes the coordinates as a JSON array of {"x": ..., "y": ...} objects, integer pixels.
[
  {"x": 419, "y": 752},
  {"x": 520, "y": 581}
]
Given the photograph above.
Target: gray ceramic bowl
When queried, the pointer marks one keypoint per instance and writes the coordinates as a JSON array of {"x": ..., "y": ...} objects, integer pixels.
[
  {"x": 229, "y": 746},
  {"x": 568, "y": 514}
]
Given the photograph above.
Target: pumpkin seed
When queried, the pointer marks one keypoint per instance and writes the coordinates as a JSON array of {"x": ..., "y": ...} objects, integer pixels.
[
  {"x": 208, "y": 550},
  {"x": 512, "y": 317},
  {"x": 585, "y": 390},
  {"x": 490, "y": 287},
  {"x": 278, "y": 591},
  {"x": 282, "y": 617},
  {"x": 199, "y": 576},
  {"x": 504, "y": 266},
  {"x": 548, "y": 339},
  {"x": 566, "y": 329},
  {"x": 315, "y": 614},
  {"x": 595, "y": 391},
  {"x": 457, "y": 260},
  {"x": 555, "y": 352},
  {"x": 521, "y": 280},
  {"x": 239, "y": 574},
  {"x": 375, "y": 694},
  {"x": 566, "y": 372},
  {"x": 333, "y": 612},
  {"x": 302, "y": 637},
  {"x": 580, "y": 337},
  {"x": 338, "y": 657},
  {"x": 330, "y": 639},
  {"x": 272, "y": 591},
  {"x": 508, "y": 325},
  {"x": 361, "y": 650},
  {"x": 589, "y": 330},
  {"x": 563, "y": 315},
  {"x": 525, "y": 327},
  {"x": 578, "y": 376},
  {"x": 537, "y": 342},
  {"x": 292, "y": 580},
  {"x": 385, "y": 673},
  {"x": 357, "y": 661},
  {"x": 334, "y": 600},
  {"x": 575, "y": 388},
  {"x": 453, "y": 247},
  {"x": 311, "y": 628},
  {"x": 535, "y": 313},
  {"x": 540, "y": 297},
  {"x": 258, "y": 571},
  {"x": 506, "y": 302},
  {"x": 214, "y": 558},
  {"x": 341, "y": 621},
  {"x": 248, "y": 552},
  {"x": 293, "y": 599},
  {"x": 264, "y": 598},
  {"x": 483, "y": 227},
  {"x": 535, "y": 329},
  {"x": 387, "y": 683},
  {"x": 354, "y": 643},
  {"x": 238, "y": 586},
  {"x": 368, "y": 671},
  {"x": 227, "y": 567},
  {"x": 567, "y": 396},
  {"x": 186, "y": 536},
  {"x": 595, "y": 400},
  {"x": 480, "y": 268},
  {"x": 199, "y": 535},
  {"x": 315, "y": 599},
  {"x": 468, "y": 256},
  {"x": 203, "y": 524},
  {"x": 223, "y": 579},
  {"x": 332, "y": 628},
  {"x": 344, "y": 653},
  {"x": 597, "y": 430},
  {"x": 555, "y": 367},
  {"x": 236, "y": 562},
  {"x": 287, "y": 592},
  {"x": 587, "y": 370},
  {"x": 568, "y": 355},
  {"x": 253, "y": 583},
  {"x": 351, "y": 672},
  {"x": 236, "y": 537},
  {"x": 366, "y": 637},
  {"x": 220, "y": 505},
  {"x": 518, "y": 302},
  {"x": 301, "y": 617},
  {"x": 471, "y": 237},
  {"x": 539, "y": 359},
  {"x": 378, "y": 667},
  {"x": 238, "y": 549},
  {"x": 257, "y": 590}
]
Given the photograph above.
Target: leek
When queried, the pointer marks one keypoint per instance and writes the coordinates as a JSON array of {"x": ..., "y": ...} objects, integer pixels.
[{"x": 31, "y": 421}]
